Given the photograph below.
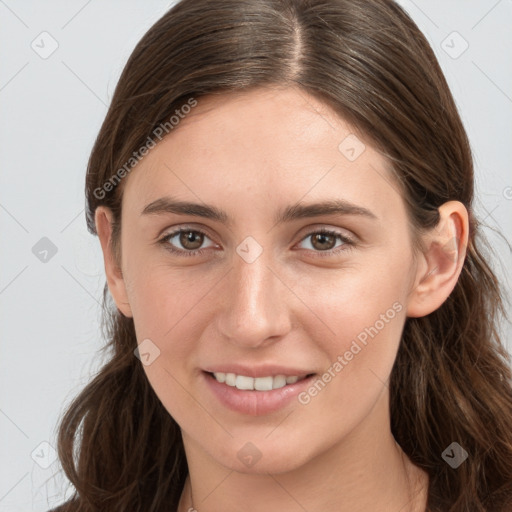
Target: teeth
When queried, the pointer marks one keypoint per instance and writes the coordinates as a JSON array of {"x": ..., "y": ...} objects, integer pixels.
[
  {"x": 254, "y": 383},
  {"x": 221, "y": 377},
  {"x": 263, "y": 383},
  {"x": 242, "y": 382},
  {"x": 278, "y": 382}
]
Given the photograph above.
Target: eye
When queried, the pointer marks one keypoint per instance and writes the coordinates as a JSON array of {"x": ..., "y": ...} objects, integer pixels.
[
  {"x": 323, "y": 242},
  {"x": 190, "y": 239}
]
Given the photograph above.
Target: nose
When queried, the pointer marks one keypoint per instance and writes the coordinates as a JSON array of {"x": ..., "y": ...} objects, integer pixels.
[{"x": 255, "y": 304}]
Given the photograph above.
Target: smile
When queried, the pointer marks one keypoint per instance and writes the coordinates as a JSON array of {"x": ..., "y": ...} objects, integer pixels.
[
  {"x": 269, "y": 392},
  {"x": 243, "y": 382}
]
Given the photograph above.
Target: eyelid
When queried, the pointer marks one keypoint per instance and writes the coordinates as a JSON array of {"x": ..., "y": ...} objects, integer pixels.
[
  {"x": 309, "y": 230},
  {"x": 315, "y": 228},
  {"x": 185, "y": 227}
]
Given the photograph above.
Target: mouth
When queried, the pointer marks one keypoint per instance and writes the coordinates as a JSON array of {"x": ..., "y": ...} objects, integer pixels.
[
  {"x": 247, "y": 383},
  {"x": 256, "y": 396}
]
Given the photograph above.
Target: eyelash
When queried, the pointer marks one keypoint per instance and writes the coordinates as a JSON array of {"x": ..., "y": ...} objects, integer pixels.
[{"x": 348, "y": 242}]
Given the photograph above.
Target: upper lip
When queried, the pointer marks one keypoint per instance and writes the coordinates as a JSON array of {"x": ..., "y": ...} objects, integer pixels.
[{"x": 257, "y": 371}]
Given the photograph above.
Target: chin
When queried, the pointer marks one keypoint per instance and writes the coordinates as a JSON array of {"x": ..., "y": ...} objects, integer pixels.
[{"x": 263, "y": 458}]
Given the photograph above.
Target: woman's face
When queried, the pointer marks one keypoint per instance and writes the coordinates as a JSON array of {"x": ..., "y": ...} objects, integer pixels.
[{"x": 269, "y": 294}]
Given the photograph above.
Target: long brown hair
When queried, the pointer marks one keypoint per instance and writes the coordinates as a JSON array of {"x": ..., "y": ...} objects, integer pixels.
[{"x": 366, "y": 59}]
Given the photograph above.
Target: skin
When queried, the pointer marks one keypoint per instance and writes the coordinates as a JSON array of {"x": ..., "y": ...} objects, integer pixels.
[{"x": 250, "y": 154}]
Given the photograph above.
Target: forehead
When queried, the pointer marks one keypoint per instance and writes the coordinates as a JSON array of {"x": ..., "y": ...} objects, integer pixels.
[{"x": 266, "y": 145}]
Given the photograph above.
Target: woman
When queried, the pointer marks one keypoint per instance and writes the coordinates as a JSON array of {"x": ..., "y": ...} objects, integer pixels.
[{"x": 302, "y": 316}]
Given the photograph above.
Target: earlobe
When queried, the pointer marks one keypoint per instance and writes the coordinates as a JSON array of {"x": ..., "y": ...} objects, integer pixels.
[
  {"x": 115, "y": 280},
  {"x": 442, "y": 262}
]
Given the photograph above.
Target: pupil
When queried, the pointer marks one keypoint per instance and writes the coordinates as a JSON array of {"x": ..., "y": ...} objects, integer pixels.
[
  {"x": 322, "y": 237},
  {"x": 189, "y": 237}
]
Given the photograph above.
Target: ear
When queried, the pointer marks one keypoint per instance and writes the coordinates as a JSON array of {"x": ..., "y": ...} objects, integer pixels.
[
  {"x": 103, "y": 219},
  {"x": 440, "y": 265}
]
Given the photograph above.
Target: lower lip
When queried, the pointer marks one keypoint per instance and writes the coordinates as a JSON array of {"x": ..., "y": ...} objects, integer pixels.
[{"x": 255, "y": 403}]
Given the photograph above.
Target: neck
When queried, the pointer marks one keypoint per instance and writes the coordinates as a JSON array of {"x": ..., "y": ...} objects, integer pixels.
[{"x": 365, "y": 468}]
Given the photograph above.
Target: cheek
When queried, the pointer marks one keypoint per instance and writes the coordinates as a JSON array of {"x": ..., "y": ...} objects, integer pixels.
[
  {"x": 167, "y": 306},
  {"x": 364, "y": 347},
  {"x": 365, "y": 314},
  {"x": 361, "y": 358},
  {"x": 355, "y": 299},
  {"x": 163, "y": 300}
]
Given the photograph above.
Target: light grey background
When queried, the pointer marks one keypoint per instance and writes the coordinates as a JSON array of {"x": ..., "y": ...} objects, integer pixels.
[{"x": 51, "y": 111}]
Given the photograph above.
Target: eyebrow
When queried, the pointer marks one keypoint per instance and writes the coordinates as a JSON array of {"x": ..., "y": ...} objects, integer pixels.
[{"x": 167, "y": 204}]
